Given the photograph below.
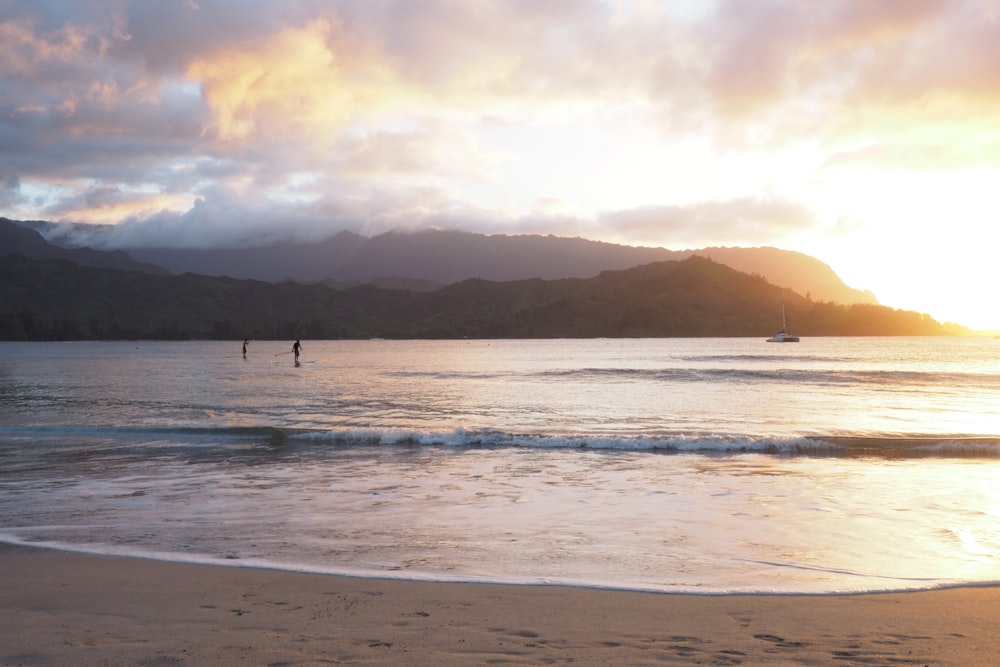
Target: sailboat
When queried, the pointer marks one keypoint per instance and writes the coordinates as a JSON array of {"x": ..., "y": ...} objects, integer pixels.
[{"x": 783, "y": 336}]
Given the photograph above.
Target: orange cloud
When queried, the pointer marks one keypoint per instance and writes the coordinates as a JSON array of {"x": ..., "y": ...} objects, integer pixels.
[
  {"x": 294, "y": 85},
  {"x": 98, "y": 204}
]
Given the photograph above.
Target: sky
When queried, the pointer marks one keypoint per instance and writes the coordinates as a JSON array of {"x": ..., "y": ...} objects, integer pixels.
[{"x": 864, "y": 133}]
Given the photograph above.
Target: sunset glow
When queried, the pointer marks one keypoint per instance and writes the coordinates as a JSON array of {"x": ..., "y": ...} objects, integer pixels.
[{"x": 862, "y": 133}]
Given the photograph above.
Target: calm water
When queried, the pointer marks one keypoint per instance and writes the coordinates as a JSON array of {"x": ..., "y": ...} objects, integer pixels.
[{"x": 699, "y": 465}]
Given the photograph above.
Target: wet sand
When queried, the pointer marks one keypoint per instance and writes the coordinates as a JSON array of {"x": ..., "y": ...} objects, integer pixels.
[{"x": 61, "y": 608}]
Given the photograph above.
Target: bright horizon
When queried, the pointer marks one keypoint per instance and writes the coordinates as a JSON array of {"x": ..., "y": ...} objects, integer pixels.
[{"x": 861, "y": 133}]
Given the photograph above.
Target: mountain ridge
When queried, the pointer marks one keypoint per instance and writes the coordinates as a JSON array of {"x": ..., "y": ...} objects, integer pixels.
[
  {"x": 58, "y": 300},
  {"x": 432, "y": 257},
  {"x": 18, "y": 239}
]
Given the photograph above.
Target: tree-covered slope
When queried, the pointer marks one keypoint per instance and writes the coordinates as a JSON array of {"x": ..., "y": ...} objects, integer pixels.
[{"x": 46, "y": 300}]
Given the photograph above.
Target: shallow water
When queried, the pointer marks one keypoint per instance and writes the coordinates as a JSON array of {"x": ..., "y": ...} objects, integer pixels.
[{"x": 705, "y": 465}]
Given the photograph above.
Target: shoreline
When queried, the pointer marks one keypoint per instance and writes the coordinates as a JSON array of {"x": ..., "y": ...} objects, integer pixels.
[
  {"x": 60, "y": 607},
  {"x": 7, "y": 543}
]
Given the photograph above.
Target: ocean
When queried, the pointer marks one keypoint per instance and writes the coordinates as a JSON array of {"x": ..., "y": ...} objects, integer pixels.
[{"x": 834, "y": 465}]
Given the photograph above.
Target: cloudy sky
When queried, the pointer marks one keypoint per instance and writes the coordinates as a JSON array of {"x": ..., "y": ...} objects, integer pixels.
[{"x": 865, "y": 133}]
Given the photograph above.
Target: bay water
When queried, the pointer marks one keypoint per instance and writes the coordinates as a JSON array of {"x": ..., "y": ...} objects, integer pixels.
[{"x": 833, "y": 465}]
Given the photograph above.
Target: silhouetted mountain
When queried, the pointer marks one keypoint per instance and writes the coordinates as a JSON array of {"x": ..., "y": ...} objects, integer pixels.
[
  {"x": 440, "y": 257},
  {"x": 435, "y": 257},
  {"x": 44, "y": 300},
  {"x": 800, "y": 272},
  {"x": 16, "y": 239},
  {"x": 451, "y": 256},
  {"x": 303, "y": 262}
]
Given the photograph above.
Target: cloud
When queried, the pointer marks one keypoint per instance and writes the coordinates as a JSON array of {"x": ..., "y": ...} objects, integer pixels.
[
  {"x": 385, "y": 112},
  {"x": 68, "y": 110},
  {"x": 10, "y": 187},
  {"x": 918, "y": 156},
  {"x": 747, "y": 221},
  {"x": 227, "y": 216},
  {"x": 291, "y": 85}
]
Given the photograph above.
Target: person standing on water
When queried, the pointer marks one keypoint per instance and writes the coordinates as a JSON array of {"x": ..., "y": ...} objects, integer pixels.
[
  {"x": 295, "y": 348},
  {"x": 246, "y": 341}
]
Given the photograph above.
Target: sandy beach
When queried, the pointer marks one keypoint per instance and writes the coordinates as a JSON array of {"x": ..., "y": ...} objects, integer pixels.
[{"x": 61, "y": 608}]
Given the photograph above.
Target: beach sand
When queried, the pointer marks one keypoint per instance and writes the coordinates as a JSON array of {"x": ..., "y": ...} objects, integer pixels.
[{"x": 61, "y": 608}]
